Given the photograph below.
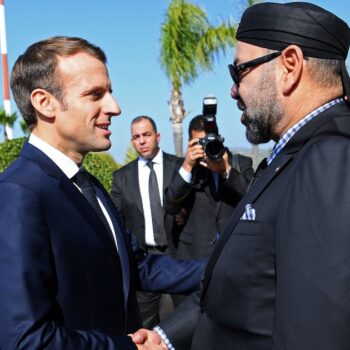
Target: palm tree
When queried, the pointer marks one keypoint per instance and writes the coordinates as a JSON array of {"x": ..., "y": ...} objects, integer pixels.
[
  {"x": 7, "y": 119},
  {"x": 24, "y": 127},
  {"x": 189, "y": 43},
  {"x": 130, "y": 154}
]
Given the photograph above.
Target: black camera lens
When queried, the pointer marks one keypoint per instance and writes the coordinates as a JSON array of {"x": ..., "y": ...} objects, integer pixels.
[{"x": 214, "y": 149}]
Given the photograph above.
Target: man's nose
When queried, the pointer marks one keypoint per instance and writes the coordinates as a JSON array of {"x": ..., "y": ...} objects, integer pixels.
[
  {"x": 234, "y": 91},
  {"x": 111, "y": 105},
  {"x": 141, "y": 140}
]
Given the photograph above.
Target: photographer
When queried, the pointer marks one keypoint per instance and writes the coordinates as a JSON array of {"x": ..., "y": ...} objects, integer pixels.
[{"x": 205, "y": 190}]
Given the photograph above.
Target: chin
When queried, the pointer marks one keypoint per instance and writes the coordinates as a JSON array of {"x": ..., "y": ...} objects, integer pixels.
[{"x": 102, "y": 148}]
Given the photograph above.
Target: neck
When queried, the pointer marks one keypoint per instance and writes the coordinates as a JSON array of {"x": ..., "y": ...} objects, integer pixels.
[
  {"x": 299, "y": 105},
  {"x": 78, "y": 158}
]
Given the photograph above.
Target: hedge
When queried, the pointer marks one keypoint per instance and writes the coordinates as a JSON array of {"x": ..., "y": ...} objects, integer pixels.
[{"x": 100, "y": 165}]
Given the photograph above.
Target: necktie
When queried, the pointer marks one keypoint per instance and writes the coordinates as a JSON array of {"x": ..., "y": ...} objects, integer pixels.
[
  {"x": 156, "y": 207},
  {"x": 83, "y": 180},
  {"x": 261, "y": 167}
]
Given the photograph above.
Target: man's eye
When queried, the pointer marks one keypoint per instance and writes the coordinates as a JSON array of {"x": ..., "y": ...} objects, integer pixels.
[{"x": 96, "y": 95}]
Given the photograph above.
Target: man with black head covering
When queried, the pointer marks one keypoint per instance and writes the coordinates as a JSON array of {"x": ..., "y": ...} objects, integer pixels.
[{"x": 279, "y": 278}]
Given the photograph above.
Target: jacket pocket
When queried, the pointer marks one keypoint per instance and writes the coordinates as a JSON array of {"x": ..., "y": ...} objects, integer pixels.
[{"x": 248, "y": 227}]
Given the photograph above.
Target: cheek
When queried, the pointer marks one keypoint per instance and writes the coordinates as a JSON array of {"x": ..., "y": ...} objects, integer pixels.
[{"x": 134, "y": 144}]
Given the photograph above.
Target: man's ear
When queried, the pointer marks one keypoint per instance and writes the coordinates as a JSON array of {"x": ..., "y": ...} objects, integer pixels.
[
  {"x": 43, "y": 102},
  {"x": 293, "y": 61}
]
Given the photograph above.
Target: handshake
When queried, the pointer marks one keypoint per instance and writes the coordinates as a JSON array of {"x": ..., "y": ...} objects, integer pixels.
[{"x": 145, "y": 339}]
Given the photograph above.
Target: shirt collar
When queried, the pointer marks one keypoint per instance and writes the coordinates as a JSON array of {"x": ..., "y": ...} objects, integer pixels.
[
  {"x": 296, "y": 127},
  {"x": 158, "y": 159},
  {"x": 66, "y": 164}
]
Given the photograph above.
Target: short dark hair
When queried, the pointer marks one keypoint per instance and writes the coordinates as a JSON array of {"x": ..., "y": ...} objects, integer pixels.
[
  {"x": 326, "y": 72},
  {"x": 37, "y": 68},
  {"x": 145, "y": 117},
  {"x": 197, "y": 123}
]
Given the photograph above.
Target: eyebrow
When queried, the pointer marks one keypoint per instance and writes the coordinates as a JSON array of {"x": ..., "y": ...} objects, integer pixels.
[{"x": 92, "y": 89}]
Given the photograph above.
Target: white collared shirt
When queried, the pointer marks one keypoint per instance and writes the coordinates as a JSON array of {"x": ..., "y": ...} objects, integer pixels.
[
  {"x": 144, "y": 172},
  {"x": 68, "y": 166}
]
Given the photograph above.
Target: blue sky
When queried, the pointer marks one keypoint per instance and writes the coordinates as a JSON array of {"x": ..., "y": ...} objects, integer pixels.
[{"x": 129, "y": 32}]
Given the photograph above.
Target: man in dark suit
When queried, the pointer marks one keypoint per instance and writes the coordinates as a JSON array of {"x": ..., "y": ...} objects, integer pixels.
[
  {"x": 131, "y": 195},
  {"x": 206, "y": 192},
  {"x": 279, "y": 277},
  {"x": 67, "y": 271}
]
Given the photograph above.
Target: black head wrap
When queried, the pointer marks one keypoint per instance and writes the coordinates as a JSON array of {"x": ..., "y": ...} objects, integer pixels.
[{"x": 317, "y": 32}]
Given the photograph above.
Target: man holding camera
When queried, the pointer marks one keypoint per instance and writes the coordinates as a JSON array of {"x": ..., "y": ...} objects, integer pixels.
[{"x": 206, "y": 189}]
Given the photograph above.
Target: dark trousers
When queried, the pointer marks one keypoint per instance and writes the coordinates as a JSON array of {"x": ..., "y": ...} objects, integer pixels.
[{"x": 154, "y": 307}]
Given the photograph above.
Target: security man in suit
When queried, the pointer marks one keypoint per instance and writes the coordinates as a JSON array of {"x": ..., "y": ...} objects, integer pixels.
[
  {"x": 279, "y": 277},
  {"x": 132, "y": 195},
  {"x": 68, "y": 266}
]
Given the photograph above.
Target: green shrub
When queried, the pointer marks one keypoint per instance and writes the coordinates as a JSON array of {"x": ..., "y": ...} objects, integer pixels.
[
  {"x": 9, "y": 151},
  {"x": 100, "y": 165}
]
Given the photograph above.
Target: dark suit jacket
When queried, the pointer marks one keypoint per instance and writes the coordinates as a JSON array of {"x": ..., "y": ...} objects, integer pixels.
[
  {"x": 283, "y": 281},
  {"x": 62, "y": 283},
  {"x": 127, "y": 198},
  {"x": 207, "y": 210}
]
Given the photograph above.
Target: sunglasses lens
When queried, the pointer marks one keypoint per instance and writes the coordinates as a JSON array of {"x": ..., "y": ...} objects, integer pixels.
[{"x": 233, "y": 74}]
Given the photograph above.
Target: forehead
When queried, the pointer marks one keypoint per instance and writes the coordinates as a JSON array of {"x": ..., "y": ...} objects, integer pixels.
[
  {"x": 82, "y": 69},
  {"x": 141, "y": 126},
  {"x": 198, "y": 134},
  {"x": 246, "y": 52}
]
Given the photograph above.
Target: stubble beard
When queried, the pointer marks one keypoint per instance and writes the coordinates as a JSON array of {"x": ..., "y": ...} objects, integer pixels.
[{"x": 263, "y": 112}]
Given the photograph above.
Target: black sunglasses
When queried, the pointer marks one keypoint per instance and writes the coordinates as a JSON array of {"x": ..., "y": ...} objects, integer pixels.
[{"x": 236, "y": 71}]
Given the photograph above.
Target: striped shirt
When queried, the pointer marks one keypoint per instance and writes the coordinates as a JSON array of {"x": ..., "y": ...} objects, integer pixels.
[
  {"x": 293, "y": 130},
  {"x": 164, "y": 337}
]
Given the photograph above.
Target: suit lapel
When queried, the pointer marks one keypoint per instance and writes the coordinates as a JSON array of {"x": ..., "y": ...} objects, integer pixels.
[
  {"x": 74, "y": 195},
  {"x": 120, "y": 237},
  {"x": 92, "y": 219},
  {"x": 168, "y": 171},
  {"x": 220, "y": 196},
  {"x": 133, "y": 177},
  {"x": 258, "y": 187}
]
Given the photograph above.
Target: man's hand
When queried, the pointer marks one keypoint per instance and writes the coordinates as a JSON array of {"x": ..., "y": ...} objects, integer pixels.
[
  {"x": 220, "y": 166},
  {"x": 148, "y": 340},
  {"x": 194, "y": 151}
]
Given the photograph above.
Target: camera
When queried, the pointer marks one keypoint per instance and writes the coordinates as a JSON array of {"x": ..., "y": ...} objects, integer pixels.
[{"x": 213, "y": 142}]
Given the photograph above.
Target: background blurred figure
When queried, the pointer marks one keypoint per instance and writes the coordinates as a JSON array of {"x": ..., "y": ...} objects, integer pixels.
[{"x": 136, "y": 201}]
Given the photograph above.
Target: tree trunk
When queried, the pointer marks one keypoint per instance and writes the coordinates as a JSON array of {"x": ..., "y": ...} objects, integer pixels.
[{"x": 178, "y": 113}]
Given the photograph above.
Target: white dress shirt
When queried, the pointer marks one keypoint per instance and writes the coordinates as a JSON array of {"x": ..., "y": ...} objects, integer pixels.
[{"x": 144, "y": 172}]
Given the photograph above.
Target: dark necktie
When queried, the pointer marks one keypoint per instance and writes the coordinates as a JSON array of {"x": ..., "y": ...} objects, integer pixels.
[
  {"x": 261, "y": 167},
  {"x": 83, "y": 180},
  {"x": 156, "y": 207}
]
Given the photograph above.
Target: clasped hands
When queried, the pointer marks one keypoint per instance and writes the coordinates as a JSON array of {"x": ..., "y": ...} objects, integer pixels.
[{"x": 145, "y": 339}]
